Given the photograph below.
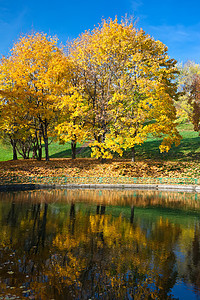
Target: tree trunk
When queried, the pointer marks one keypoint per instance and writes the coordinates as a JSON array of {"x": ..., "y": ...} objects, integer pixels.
[
  {"x": 103, "y": 160},
  {"x": 14, "y": 148},
  {"x": 133, "y": 154},
  {"x": 45, "y": 138},
  {"x": 24, "y": 152},
  {"x": 14, "y": 151},
  {"x": 37, "y": 149},
  {"x": 40, "y": 147},
  {"x": 34, "y": 152},
  {"x": 46, "y": 145},
  {"x": 28, "y": 153},
  {"x": 73, "y": 147}
]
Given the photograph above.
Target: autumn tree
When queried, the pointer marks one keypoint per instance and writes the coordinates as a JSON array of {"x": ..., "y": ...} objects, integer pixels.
[
  {"x": 16, "y": 130},
  {"x": 194, "y": 100},
  {"x": 73, "y": 125},
  {"x": 189, "y": 88},
  {"x": 126, "y": 79},
  {"x": 32, "y": 83},
  {"x": 8, "y": 130}
]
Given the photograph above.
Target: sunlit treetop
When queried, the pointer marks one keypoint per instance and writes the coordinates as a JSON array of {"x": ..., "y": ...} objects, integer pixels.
[{"x": 127, "y": 79}]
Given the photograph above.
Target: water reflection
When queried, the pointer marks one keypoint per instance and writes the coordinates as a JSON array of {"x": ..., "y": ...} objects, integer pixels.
[{"x": 67, "y": 244}]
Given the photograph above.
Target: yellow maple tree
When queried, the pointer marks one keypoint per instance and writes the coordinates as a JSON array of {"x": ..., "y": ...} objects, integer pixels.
[
  {"x": 32, "y": 80},
  {"x": 126, "y": 79}
]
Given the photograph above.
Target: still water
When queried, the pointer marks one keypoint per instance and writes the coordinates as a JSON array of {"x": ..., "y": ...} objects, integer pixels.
[{"x": 92, "y": 244}]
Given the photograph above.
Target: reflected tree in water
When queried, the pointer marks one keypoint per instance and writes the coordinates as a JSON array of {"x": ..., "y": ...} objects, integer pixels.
[
  {"x": 83, "y": 252},
  {"x": 192, "y": 264}
]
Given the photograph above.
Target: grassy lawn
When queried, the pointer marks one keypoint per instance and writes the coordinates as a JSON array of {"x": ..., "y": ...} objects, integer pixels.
[
  {"x": 56, "y": 150},
  {"x": 5, "y": 152},
  {"x": 189, "y": 149},
  {"x": 180, "y": 162}
]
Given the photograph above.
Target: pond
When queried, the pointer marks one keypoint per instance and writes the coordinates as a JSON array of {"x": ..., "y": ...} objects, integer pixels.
[{"x": 93, "y": 244}]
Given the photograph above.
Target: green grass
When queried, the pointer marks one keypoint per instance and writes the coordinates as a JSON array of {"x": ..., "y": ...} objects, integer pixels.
[
  {"x": 189, "y": 148},
  {"x": 57, "y": 150},
  {"x": 5, "y": 152}
]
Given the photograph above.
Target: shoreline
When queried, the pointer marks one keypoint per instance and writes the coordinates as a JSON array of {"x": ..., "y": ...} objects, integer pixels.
[{"x": 156, "y": 187}]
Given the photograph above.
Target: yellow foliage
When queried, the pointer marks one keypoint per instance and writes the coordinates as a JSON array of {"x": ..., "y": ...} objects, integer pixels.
[
  {"x": 115, "y": 86},
  {"x": 126, "y": 80},
  {"x": 32, "y": 81}
]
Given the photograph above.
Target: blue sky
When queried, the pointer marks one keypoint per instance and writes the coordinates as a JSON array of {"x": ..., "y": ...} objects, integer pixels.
[{"x": 174, "y": 22}]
